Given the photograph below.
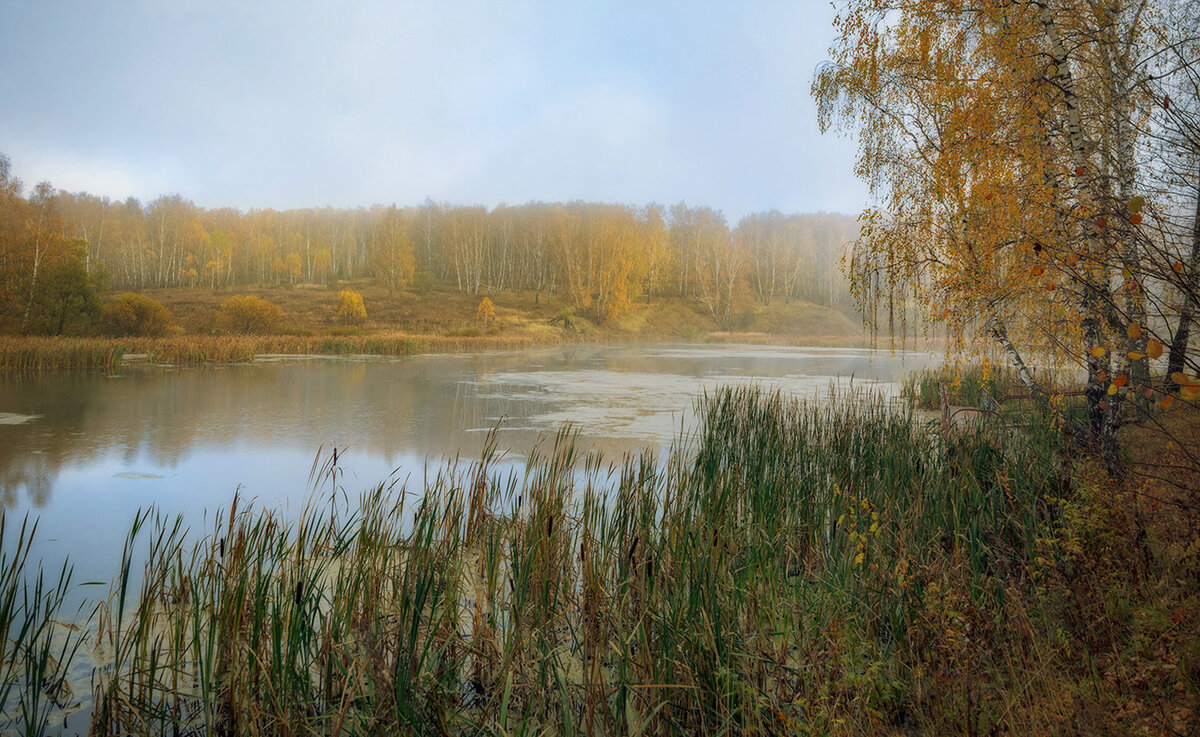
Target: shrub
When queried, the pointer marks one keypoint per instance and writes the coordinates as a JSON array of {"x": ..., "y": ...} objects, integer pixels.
[
  {"x": 423, "y": 282},
  {"x": 245, "y": 314},
  {"x": 136, "y": 315},
  {"x": 350, "y": 309},
  {"x": 486, "y": 312}
]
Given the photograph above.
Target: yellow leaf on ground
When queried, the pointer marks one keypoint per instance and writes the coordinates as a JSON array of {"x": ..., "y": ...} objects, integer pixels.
[
  {"x": 1037, "y": 270},
  {"x": 1071, "y": 258}
]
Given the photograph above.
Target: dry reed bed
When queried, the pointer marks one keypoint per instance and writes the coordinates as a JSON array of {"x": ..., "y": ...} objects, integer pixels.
[
  {"x": 790, "y": 568},
  {"x": 37, "y": 354}
]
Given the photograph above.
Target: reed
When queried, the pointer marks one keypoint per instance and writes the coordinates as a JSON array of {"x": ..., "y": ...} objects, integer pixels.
[
  {"x": 785, "y": 568},
  {"x": 965, "y": 385},
  {"x": 33, "y": 354},
  {"x": 35, "y": 650},
  {"x": 36, "y": 354}
]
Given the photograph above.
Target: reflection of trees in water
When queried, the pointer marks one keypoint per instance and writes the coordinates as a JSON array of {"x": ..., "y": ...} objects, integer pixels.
[
  {"x": 159, "y": 416},
  {"x": 33, "y": 453},
  {"x": 430, "y": 406},
  {"x": 33, "y": 476}
]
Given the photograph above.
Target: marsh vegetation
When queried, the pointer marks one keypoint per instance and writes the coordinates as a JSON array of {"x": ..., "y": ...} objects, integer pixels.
[{"x": 789, "y": 567}]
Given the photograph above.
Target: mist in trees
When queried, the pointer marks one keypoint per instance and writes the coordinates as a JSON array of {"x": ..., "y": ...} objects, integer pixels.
[{"x": 596, "y": 257}]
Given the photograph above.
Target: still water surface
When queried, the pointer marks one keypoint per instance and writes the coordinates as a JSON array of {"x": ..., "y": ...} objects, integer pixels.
[{"x": 85, "y": 452}]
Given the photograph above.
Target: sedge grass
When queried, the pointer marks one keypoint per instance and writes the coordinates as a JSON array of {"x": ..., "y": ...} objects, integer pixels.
[
  {"x": 34, "y": 354},
  {"x": 35, "y": 651},
  {"x": 788, "y": 567},
  {"x": 965, "y": 385},
  {"x": 68, "y": 354}
]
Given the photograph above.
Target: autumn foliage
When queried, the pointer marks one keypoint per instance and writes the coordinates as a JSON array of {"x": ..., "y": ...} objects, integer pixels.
[
  {"x": 136, "y": 315},
  {"x": 598, "y": 258},
  {"x": 349, "y": 309},
  {"x": 486, "y": 312},
  {"x": 1003, "y": 141}
]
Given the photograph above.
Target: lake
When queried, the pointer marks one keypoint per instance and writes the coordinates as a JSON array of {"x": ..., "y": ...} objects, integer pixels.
[{"x": 85, "y": 452}]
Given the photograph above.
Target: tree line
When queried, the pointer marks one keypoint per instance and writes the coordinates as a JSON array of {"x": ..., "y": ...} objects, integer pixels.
[{"x": 595, "y": 257}]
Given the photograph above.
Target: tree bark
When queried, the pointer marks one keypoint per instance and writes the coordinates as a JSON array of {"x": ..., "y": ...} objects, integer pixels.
[
  {"x": 1179, "y": 341},
  {"x": 1102, "y": 413}
]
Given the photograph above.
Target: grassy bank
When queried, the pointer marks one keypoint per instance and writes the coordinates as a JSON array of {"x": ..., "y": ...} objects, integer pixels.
[
  {"x": 444, "y": 311},
  {"x": 791, "y": 569}
]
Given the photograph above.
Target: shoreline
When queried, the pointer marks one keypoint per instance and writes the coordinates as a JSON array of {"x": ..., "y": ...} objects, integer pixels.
[{"x": 35, "y": 355}]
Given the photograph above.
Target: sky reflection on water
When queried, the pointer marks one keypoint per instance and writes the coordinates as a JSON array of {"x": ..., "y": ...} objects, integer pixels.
[{"x": 85, "y": 452}]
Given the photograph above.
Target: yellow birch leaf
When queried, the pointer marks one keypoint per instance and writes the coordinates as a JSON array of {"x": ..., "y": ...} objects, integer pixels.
[
  {"x": 1167, "y": 402},
  {"x": 1180, "y": 378},
  {"x": 1153, "y": 348},
  {"x": 1136, "y": 355},
  {"x": 1134, "y": 331},
  {"x": 1121, "y": 380},
  {"x": 1098, "y": 352},
  {"x": 1112, "y": 389}
]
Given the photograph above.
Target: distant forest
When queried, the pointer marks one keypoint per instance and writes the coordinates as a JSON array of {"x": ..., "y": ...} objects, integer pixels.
[{"x": 596, "y": 257}]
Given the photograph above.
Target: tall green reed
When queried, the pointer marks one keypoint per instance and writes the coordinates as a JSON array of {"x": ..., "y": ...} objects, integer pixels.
[
  {"x": 787, "y": 566},
  {"x": 37, "y": 644}
]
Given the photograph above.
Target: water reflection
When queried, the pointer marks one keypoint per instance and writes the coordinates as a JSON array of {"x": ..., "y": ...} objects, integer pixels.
[
  {"x": 84, "y": 453},
  {"x": 146, "y": 424}
]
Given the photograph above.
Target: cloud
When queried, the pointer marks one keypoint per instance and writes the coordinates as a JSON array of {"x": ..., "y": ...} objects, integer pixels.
[
  {"x": 74, "y": 172},
  {"x": 299, "y": 104}
]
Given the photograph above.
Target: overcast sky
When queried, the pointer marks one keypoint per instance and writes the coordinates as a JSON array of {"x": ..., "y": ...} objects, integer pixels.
[{"x": 295, "y": 104}]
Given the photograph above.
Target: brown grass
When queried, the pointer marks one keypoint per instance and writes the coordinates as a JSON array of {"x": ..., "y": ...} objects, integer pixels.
[{"x": 411, "y": 323}]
